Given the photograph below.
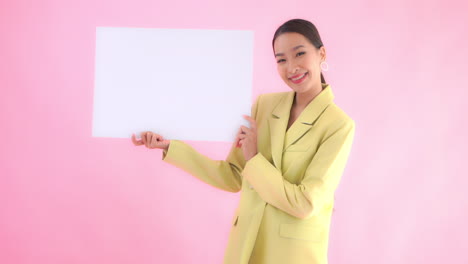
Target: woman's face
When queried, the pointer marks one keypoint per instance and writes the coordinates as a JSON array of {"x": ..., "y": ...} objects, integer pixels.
[{"x": 298, "y": 62}]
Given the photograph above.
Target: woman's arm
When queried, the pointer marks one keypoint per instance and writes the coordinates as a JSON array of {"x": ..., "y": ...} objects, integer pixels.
[
  {"x": 222, "y": 174},
  {"x": 320, "y": 180},
  {"x": 225, "y": 175}
]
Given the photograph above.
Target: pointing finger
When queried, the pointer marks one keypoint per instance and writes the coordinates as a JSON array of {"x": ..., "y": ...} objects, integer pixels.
[{"x": 252, "y": 122}]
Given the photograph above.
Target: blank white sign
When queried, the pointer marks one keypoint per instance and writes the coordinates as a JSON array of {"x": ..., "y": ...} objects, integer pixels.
[{"x": 185, "y": 84}]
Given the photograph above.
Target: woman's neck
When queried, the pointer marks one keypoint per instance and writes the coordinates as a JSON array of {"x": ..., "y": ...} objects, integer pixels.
[{"x": 301, "y": 100}]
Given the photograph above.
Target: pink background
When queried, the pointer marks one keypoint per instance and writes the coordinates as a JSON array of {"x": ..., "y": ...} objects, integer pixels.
[{"x": 398, "y": 68}]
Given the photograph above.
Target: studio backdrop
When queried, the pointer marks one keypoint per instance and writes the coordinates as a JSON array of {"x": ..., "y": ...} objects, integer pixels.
[{"x": 74, "y": 189}]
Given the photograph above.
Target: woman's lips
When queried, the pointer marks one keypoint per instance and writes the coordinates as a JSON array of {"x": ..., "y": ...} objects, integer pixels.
[{"x": 299, "y": 80}]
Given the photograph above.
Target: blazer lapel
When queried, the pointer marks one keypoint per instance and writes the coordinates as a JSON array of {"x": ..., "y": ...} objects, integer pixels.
[
  {"x": 278, "y": 123},
  {"x": 280, "y": 139},
  {"x": 309, "y": 116}
]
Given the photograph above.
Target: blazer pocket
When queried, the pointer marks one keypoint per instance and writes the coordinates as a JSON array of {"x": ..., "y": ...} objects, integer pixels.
[{"x": 303, "y": 232}]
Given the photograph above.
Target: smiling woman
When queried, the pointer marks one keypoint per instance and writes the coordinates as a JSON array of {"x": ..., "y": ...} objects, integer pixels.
[{"x": 287, "y": 164}]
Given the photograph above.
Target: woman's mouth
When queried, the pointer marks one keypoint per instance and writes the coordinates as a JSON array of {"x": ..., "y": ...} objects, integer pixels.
[{"x": 299, "y": 79}]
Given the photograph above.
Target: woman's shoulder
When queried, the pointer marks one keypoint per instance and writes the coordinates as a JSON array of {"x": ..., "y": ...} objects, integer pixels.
[
  {"x": 338, "y": 112},
  {"x": 274, "y": 95},
  {"x": 272, "y": 99},
  {"x": 265, "y": 103},
  {"x": 335, "y": 116}
]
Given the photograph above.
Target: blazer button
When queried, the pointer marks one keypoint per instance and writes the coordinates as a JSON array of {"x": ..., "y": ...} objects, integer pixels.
[{"x": 250, "y": 186}]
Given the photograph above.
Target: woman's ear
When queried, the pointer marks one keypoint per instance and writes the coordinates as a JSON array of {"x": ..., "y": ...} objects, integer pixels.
[{"x": 322, "y": 54}]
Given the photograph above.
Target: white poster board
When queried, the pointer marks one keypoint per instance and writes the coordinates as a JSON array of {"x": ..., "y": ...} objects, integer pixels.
[{"x": 186, "y": 84}]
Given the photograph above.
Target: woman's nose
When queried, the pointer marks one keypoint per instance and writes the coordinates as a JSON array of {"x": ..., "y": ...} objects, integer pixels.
[{"x": 292, "y": 68}]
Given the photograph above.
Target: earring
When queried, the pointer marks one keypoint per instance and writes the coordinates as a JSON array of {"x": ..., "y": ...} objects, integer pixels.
[{"x": 322, "y": 66}]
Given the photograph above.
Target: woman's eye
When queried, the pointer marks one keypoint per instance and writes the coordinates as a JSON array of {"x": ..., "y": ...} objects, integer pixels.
[
  {"x": 280, "y": 60},
  {"x": 300, "y": 53}
]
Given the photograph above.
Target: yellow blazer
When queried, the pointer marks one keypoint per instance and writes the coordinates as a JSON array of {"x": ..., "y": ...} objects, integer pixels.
[{"x": 287, "y": 189}]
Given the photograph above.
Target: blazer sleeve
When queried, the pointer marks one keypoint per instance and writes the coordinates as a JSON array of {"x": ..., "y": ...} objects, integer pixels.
[
  {"x": 222, "y": 174},
  {"x": 320, "y": 180}
]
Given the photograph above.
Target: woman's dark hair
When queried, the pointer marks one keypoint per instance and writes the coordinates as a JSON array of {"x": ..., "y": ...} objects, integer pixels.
[{"x": 303, "y": 27}]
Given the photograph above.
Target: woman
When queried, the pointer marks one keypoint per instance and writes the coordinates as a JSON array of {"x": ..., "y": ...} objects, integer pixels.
[{"x": 287, "y": 164}]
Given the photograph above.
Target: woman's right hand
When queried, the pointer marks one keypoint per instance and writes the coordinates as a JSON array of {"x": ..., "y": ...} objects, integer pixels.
[{"x": 151, "y": 140}]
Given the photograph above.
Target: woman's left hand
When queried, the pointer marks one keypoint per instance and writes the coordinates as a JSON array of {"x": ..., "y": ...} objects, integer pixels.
[{"x": 247, "y": 138}]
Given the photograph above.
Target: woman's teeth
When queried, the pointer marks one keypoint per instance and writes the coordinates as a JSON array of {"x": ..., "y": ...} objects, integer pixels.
[{"x": 300, "y": 77}]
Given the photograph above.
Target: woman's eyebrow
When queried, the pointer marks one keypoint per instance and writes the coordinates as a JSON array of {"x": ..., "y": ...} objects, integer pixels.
[{"x": 295, "y": 48}]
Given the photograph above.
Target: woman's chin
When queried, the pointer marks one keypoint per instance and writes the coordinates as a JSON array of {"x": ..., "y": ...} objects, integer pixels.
[{"x": 297, "y": 89}]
